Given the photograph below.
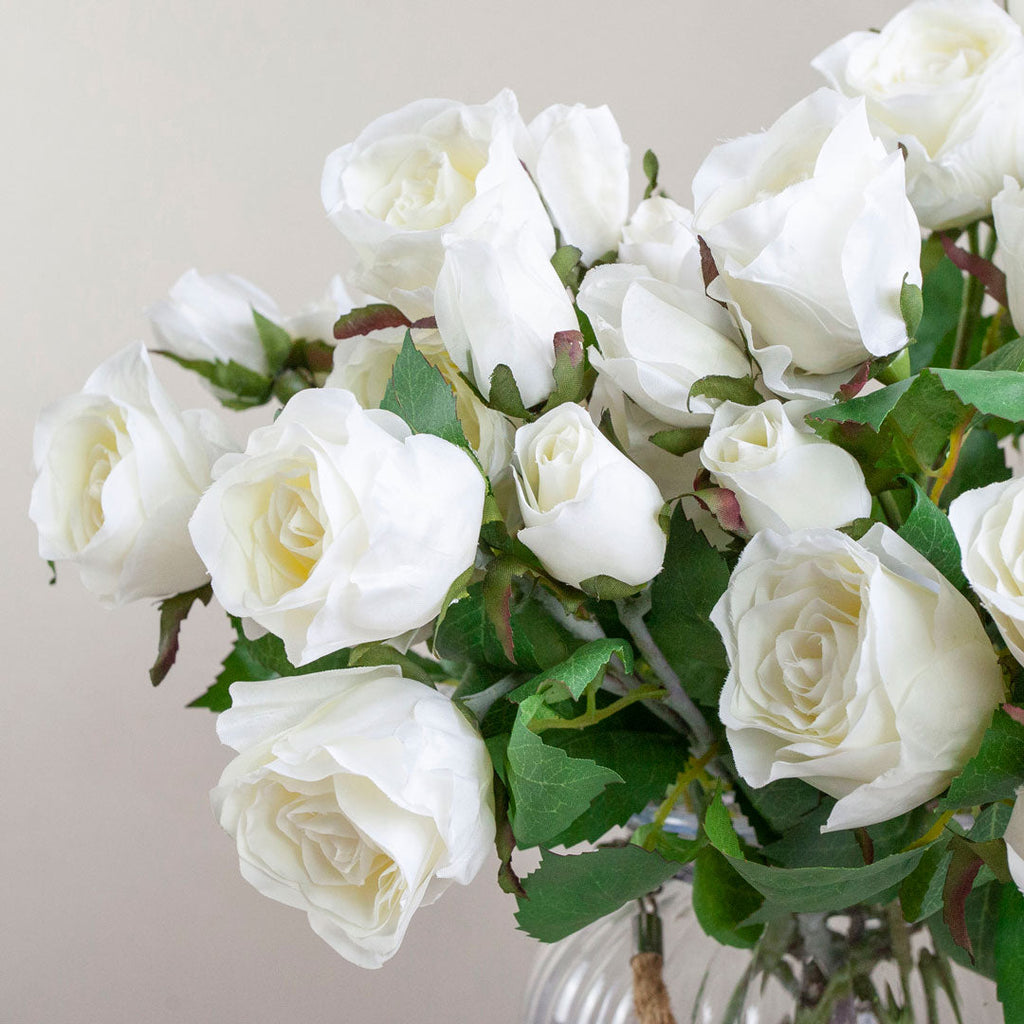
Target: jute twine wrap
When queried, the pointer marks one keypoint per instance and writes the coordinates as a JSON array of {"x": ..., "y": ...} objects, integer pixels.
[{"x": 650, "y": 997}]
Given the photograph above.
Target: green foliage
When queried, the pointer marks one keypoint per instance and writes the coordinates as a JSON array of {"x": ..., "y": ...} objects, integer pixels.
[
  {"x": 723, "y": 901},
  {"x": 651, "y": 168},
  {"x": 942, "y": 291},
  {"x": 911, "y": 306},
  {"x": 981, "y": 915},
  {"x": 570, "y": 370},
  {"x": 565, "y": 894},
  {"x": 727, "y": 389},
  {"x": 566, "y": 261},
  {"x": 467, "y": 634},
  {"x": 422, "y": 397},
  {"x": 921, "y": 891},
  {"x": 276, "y": 342},
  {"x": 995, "y": 772},
  {"x": 173, "y": 612},
  {"x": 1009, "y": 953},
  {"x": 236, "y": 386},
  {"x": 570, "y": 678},
  {"x": 928, "y": 529},
  {"x": 504, "y": 394},
  {"x": 549, "y": 789},
  {"x": 377, "y": 316},
  {"x": 647, "y": 763},
  {"x": 680, "y": 440},
  {"x": 981, "y": 463},
  {"x": 608, "y": 588},
  {"x": 694, "y": 576}
]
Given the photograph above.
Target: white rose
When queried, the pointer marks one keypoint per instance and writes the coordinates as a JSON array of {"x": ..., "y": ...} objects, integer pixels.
[
  {"x": 315, "y": 321},
  {"x": 1014, "y": 837},
  {"x": 120, "y": 470},
  {"x": 1008, "y": 211},
  {"x": 363, "y": 365},
  {"x": 658, "y": 339},
  {"x": 336, "y": 527},
  {"x": 784, "y": 476},
  {"x": 855, "y": 667},
  {"x": 581, "y": 166},
  {"x": 209, "y": 317},
  {"x": 357, "y": 796},
  {"x": 813, "y": 235},
  {"x": 990, "y": 531},
  {"x": 588, "y": 510},
  {"x": 660, "y": 236},
  {"x": 432, "y": 168},
  {"x": 945, "y": 78},
  {"x": 499, "y": 300}
]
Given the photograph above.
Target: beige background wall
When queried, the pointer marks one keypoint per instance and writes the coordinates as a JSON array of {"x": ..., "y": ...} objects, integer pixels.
[{"x": 142, "y": 137}]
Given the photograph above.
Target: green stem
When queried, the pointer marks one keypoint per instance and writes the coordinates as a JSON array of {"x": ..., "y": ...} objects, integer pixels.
[
  {"x": 631, "y": 615},
  {"x": 891, "y": 509},
  {"x": 970, "y": 308},
  {"x": 592, "y": 717},
  {"x": 900, "y": 942}
]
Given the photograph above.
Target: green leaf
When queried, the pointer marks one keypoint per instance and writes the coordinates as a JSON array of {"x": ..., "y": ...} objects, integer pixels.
[
  {"x": 1008, "y": 357},
  {"x": 569, "y": 371},
  {"x": 236, "y": 386},
  {"x": 775, "y": 809},
  {"x": 650, "y": 166},
  {"x": 992, "y": 392},
  {"x": 995, "y": 772},
  {"x": 549, "y": 789},
  {"x": 608, "y": 588},
  {"x": 377, "y": 316},
  {"x": 668, "y": 844},
  {"x": 870, "y": 409},
  {"x": 413, "y": 666},
  {"x": 823, "y": 889},
  {"x": 928, "y": 529},
  {"x": 422, "y": 397},
  {"x": 981, "y": 914},
  {"x": 680, "y": 440},
  {"x": 693, "y": 578},
  {"x": 942, "y": 290},
  {"x": 173, "y": 612},
  {"x": 570, "y": 678},
  {"x": 565, "y": 894},
  {"x": 276, "y": 342},
  {"x": 921, "y": 891},
  {"x": 241, "y": 663},
  {"x": 981, "y": 462},
  {"x": 727, "y": 389},
  {"x": 1009, "y": 953},
  {"x": 646, "y": 762},
  {"x": 504, "y": 394},
  {"x": 566, "y": 261},
  {"x": 467, "y": 635},
  {"x": 53, "y": 572},
  {"x": 723, "y": 901},
  {"x": 911, "y": 306},
  {"x": 718, "y": 828}
]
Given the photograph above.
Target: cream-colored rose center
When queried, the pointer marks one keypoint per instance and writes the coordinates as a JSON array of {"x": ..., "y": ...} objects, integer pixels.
[
  {"x": 103, "y": 443},
  {"x": 553, "y": 470},
  {"x": 428, "y": 183}
]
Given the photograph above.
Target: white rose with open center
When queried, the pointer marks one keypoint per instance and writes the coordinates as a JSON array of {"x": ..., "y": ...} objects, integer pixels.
[
  {"x": 120, "y": 470},
  {"x": 784, "y": 476},
  {"x": 945, "y": 79},
  {"x": 989, "y": 526},
  {"x": 434, "y": 167},
  {"x": 337, "y": 526},
  {"x": 357, "y": 796},
  {"x": 813, "y": 235},
  {"x": 856, "y": 667},
  {"x": 588, "y": 511}
]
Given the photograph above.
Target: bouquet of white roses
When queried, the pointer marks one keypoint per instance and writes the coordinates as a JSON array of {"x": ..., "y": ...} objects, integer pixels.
[{"x": 567, "y": 510}]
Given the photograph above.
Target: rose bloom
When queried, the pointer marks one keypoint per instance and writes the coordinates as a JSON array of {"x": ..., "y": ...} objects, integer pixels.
[
  {"x": 1008, "y": 213},
  {"x": 357, "y": 796},
  {"x": 856, "y": 667},
  {"x": 658, "y": 339},
  {"x": 588, "y": 511},
  {"x": 337, "y": 526},
  {"x": 364, "y": 365},
  {"x": 433, "y": 168},
  {"x": 499, "y": 300},
  {"x": 784, "y": 476},
  {"x": 1015, "y": 840},
  {"x": 989, "y": 526},
  {"x": 660, "y": 237},
  {"x": 120, "y": 470},
  {"x": 581, "y": 166},
  {"x": 813, "y": 236},
  {"x": 945, "y": 79},
  {"x": 209, "y": 317}
]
